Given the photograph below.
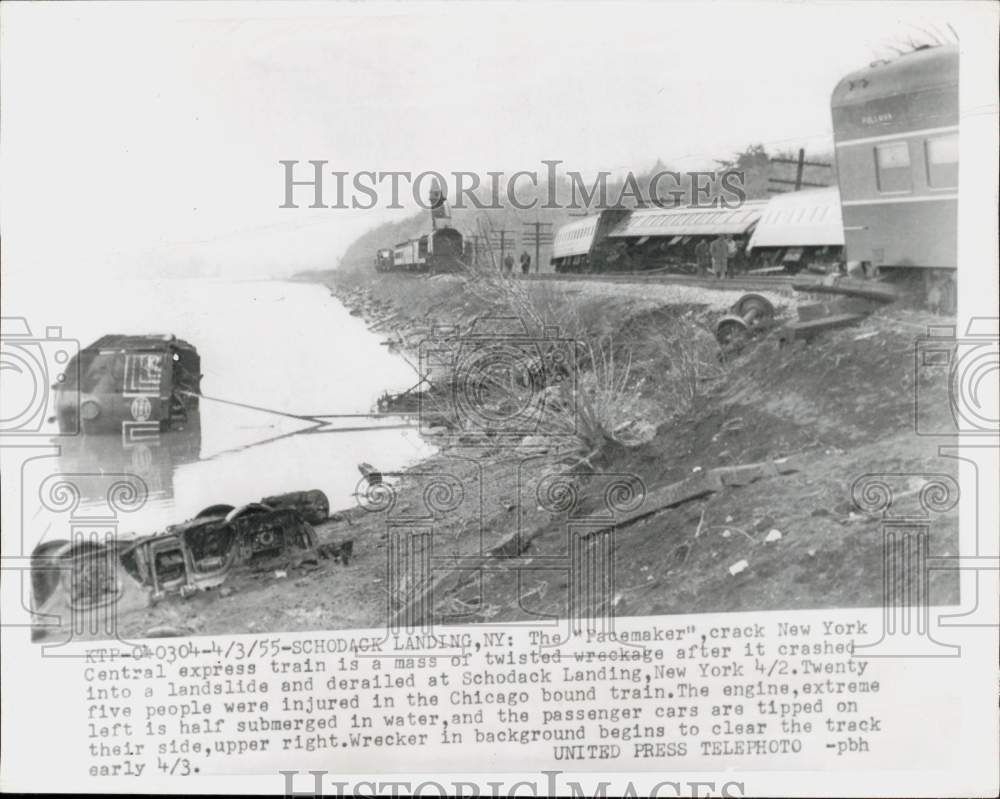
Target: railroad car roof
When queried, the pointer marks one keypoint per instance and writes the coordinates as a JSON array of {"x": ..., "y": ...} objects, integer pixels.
[
  {"x": 920, "y": 69},
  {"x": 801, "y": 219},
  {"x": 689, "y": 221},
  {"x": 575, "y": 238}
]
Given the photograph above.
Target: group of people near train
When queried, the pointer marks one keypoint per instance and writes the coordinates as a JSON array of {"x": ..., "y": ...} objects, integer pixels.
[
  {"x": 718, "y": 256},
  {"x": 508, "y": 263}
]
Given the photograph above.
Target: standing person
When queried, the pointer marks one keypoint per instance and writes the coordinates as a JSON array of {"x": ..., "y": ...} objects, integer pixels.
[
  {"x": 741, "y": 259},
  {"x": 731, "y": 246},
  {"x": 508, "y": 263},
  {"x": 720, "y": 257},
  {"x": 702, "y": 255},
  {"x": 525, "y": 262}
]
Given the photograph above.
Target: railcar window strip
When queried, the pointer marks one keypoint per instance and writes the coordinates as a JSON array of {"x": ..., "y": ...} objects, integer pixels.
[
  {"x": 883, "y": 200},
  {"x": 899, "y": 135}
]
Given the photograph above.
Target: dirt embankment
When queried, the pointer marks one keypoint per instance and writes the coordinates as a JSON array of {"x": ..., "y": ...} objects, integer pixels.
[{"x": 514, "y": 530}]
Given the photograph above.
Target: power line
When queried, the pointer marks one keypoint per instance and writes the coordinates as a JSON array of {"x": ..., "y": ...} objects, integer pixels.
[{"x": 536, "y": 236}]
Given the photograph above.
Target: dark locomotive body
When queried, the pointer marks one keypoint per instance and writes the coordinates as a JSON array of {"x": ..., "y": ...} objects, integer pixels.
[
  {"x": 440, "y": 250},
  {"x": 120, "y": 380}
]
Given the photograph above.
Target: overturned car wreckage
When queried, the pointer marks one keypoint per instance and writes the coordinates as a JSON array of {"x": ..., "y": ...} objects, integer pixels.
[{"x": 88, "y": 574}]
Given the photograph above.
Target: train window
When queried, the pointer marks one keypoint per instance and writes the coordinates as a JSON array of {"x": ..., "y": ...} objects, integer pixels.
[
  {"x": 893, "y": 166},
  {"x": 942, "y": 161}
]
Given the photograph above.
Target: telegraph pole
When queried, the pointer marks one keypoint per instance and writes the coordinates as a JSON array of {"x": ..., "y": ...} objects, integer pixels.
[
  {"x": 502, "y": 234},
  {"x": 473, "y": 249},
  {"x": 538, "y": 234},
  {"x": 800, "y": 168}
]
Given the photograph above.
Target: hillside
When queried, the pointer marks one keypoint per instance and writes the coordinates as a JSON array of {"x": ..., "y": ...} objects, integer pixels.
[{"x": 837, "y": 412}]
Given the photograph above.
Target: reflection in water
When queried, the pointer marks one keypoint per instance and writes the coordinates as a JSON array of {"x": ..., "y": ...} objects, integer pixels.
[
  {"x": 276, "y": 357},
  {"x": 154, "y": 458}
]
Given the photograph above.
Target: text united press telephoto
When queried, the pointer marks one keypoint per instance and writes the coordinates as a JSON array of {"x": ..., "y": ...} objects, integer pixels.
[{"x": 500, "y": 398}]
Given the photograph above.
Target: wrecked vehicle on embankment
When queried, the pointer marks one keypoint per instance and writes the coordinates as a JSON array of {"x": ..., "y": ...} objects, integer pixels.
[{"x": 89, "y": 577}]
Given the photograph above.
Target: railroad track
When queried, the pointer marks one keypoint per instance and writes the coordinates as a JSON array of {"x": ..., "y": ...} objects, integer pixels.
[{"x": 740, "y": 283}]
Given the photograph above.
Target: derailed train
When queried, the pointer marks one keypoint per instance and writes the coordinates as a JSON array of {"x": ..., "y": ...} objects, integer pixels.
[{"x": 894, "y": 211}]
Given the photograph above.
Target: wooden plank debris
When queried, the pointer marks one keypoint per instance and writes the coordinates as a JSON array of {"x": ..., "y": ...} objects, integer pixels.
[
  {"x": 697, "y": 485},
  {"x": 803, "y": 331},
  {"x": 852, "y": 287}
]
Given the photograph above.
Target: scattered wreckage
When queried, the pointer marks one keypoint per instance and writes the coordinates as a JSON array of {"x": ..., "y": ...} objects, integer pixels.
[
  {"x": 89, "y": 574},
  {"x": 752, "y": 314},
  {"x": 847, "y": 301}
]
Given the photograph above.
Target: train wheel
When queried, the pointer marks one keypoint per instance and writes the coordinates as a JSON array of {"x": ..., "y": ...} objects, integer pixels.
[
  {"x": 755, "y": 310},
  {"x": 731, "y": 331}
]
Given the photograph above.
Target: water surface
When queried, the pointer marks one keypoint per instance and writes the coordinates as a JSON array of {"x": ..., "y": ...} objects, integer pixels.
[{"x": 284, "y": 348}]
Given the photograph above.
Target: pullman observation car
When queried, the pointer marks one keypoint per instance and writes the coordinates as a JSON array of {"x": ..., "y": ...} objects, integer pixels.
[
  {"x": 438, "y": 251},
  {"x": 895, "y": 127}
]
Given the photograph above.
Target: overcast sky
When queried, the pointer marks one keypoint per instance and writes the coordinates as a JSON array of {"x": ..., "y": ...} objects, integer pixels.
[{"x": 150, "y": 134}]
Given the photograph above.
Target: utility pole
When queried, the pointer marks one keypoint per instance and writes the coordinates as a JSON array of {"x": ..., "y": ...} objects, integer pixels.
[
  {"x": 537, "y": 234},
  {"x": 502, "y": 234},
  {"x": 474, "y": 241},
  {"x": 800, "y": 168}
]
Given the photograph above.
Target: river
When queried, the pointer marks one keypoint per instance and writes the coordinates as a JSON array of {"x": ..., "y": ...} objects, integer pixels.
[{"x": 287, "y": 349}]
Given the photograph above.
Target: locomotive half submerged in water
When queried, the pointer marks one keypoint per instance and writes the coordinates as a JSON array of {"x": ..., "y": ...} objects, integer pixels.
[{"x": 122, "y": 380}]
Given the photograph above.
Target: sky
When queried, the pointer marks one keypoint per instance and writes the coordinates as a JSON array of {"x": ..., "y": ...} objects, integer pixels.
[{"x": 141, "y": 138}]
